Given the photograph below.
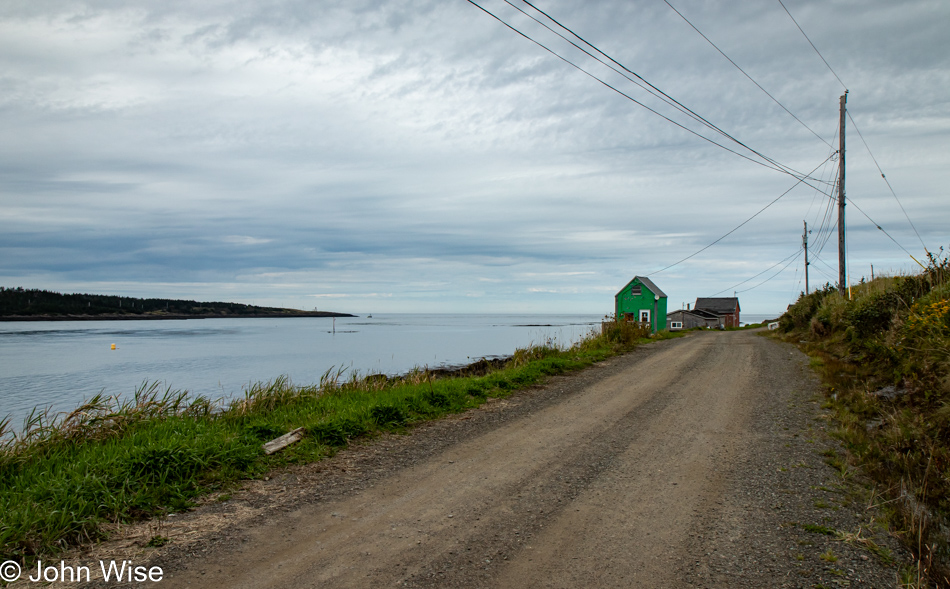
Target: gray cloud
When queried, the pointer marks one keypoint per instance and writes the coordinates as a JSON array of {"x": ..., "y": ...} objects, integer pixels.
[{"x": 417, "y": 155}]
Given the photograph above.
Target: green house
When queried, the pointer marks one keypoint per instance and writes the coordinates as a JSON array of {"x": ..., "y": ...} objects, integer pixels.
[{"x": 643, "y": 302}]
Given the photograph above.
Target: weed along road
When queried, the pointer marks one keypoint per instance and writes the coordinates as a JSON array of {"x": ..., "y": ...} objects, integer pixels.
[{"x": 693, "y": 462}]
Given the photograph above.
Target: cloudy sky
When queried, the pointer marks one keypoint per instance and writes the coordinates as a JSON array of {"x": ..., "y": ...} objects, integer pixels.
[{"x": 419, "y": 156}]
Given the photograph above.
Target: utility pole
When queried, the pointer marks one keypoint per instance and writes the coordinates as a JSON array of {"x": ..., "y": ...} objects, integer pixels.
[
  {"x": 842, "y": 270},
  {"x": 805, "y": 244}
]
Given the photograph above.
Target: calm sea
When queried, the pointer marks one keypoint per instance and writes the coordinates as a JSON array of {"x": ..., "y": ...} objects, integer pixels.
[{"x": 59, "y": 364}]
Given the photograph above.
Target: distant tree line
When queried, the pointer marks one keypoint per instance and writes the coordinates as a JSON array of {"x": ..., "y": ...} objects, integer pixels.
[{"x": 33, "y": 302}]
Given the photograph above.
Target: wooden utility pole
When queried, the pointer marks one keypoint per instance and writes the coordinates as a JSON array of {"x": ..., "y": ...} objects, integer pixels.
[
  {"x": 842, "y": 270},
  {"x": 805, "y": 245}
]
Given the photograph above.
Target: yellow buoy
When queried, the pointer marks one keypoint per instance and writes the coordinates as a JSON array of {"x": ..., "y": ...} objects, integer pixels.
[{"x": 113, "y": 346}]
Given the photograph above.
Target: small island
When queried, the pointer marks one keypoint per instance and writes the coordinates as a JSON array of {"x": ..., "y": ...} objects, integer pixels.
[{"x": 19, "y": 304}]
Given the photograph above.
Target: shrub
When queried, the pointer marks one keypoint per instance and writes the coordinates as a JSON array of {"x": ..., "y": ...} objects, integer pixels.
[
  {"x": 873, "y": 314},
  {"x": 338, "y": 431},
  {"x": 438, "y": 400},
  {"x": 626, "y": 332},
  {"x": 385, "y": 415},
  {"x": 799, "y": 316}
]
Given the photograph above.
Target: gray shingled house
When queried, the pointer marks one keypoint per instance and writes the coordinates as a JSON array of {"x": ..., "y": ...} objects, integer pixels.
[
  {"x": 725, "y": 308},
  {"x": 688, "y": 319}
]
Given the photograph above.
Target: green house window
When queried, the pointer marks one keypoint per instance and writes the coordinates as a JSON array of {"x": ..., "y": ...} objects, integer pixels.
[{"x": 635, "y": 290}]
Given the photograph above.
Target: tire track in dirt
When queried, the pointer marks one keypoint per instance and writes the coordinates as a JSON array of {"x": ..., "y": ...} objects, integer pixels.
[
  {"x": 607, "y": 486},
  {"x": 417, "y": 523}
]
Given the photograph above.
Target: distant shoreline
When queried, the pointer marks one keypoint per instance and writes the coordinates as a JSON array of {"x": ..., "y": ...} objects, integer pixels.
[{"x": 156, "y": 317}]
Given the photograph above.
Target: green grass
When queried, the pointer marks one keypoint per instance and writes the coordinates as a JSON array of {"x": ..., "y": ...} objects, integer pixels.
[
  {"x": 64, "y": 477},
  {"x": 819, "y": 529}
]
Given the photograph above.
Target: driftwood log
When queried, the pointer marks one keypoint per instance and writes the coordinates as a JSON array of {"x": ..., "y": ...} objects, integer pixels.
[{"x": 283, "y": 441}]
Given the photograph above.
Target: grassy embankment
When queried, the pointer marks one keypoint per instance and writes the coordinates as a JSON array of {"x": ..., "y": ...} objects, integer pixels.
[
  {"x": 885, "y": 358},
  {"x": 108, "y": 461}
]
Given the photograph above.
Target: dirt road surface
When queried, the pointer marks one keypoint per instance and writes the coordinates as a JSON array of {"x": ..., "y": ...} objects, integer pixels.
[{"x": 695, "y": 462}]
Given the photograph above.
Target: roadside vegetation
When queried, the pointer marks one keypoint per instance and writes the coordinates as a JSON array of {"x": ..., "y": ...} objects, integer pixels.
[
  {"x": 64, "y": 477},
  {"x": 884, "y": 355}
]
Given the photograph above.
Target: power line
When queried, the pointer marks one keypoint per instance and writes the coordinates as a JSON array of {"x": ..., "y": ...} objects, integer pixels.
[
  {"x": 736, "y": 228},
  {"x": 873, "y": 222},
  {"x": 835, "y": 270},
  {"x": 733, "y": 287},
  {"x": 729, "y": 59},
  {"x": 667, "y": 98},
  {"x": 830, "y": 224},
  {"x": 680, "y": 106},
  {"x": 874, "y": 159},
  {"x": 771, "y": 164},
  {"x": 828, "y": 278},
  {"x": 865, "y": 145},
  {"x": 812, "y": 44},
  {"x": 797, "y": 286},
  {"x": 823, "y": 232},
  {"x": 773, "y": 276},
  {"x": 817, "y": 192},
  {"x": 828, "y": 220},
  {"x": 639, "y": 80}
]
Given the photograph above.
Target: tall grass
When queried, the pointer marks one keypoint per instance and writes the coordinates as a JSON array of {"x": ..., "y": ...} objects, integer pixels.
[
  {"x": 117, "y": 460},
  {"x": 885, "y": 356}
]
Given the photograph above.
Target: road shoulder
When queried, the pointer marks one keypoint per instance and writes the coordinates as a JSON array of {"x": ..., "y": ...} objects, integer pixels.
[{"x": 795, "y": 514}]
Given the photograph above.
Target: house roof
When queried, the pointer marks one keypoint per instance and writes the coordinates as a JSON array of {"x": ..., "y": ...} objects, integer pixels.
[
  {"x": 647, "y": 283},
  {"x": 695, "y": 313},
  {"x": 717, "y": 305}
]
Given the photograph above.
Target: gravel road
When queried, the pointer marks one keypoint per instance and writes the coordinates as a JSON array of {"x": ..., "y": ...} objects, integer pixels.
[{"x": 694, "y": 462}]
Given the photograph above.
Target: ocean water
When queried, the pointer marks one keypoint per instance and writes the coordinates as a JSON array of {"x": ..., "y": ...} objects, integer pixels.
[{"x": 59, "y": 364}]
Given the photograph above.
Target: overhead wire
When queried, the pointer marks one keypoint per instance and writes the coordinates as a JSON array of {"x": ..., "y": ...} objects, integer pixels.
[
  {"x": 817, "y": 192},
  {"x": 886, "y": 181},
  {"x": 828, "y": 222},
  {"x": 798, "y": 286},
  {"x": 828, "y": 278},
  {"x": 767, "y": 163},
  {"x": 843, "y": 85},
  {"x": 884, "y": 231},
  {"x": 826, "y": 230},
  {"x": 773, "y": 276},
  {"x": 670, "y": 101},
  {"x": 736, "y": 228},
  {"x": 667, "y": 98},
  {"x": 751, "y": 79},
  {"x": 733, "y": 287},
  {"x": 824, "y": 237},
  {"x": 680, "y": 106},
  {"x": 820, "y": 224},
  {"x": 827, "y": 265},
  {"x": 637, "y": 79}
]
